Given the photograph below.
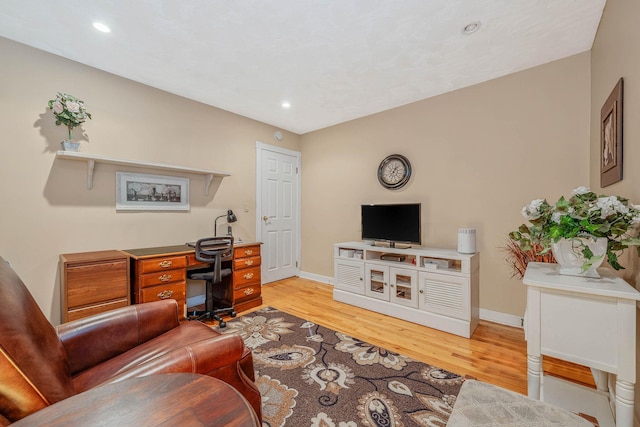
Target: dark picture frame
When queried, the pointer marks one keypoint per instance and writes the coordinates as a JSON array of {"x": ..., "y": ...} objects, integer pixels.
[{"x": 611, "y": 137}]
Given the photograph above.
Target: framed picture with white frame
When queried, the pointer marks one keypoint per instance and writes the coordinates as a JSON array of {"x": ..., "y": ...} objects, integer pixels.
[{"x": 144, "y": 192}]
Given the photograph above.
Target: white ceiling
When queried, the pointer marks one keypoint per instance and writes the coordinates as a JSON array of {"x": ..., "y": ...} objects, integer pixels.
[{"x": 333, "y": 60}]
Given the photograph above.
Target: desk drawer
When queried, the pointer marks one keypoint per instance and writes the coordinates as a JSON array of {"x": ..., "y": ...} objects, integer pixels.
[
  {"x": 246, "y": 276},
  {"x": 161, "y": 264},
  {"x": 246, "y": 251},
  {"x": 176, "y": 291},
  {"x": 96, "y": 283},
  {"x": 252, "y": 291},
  {"x": 80, "y": 313},
  {"x": 162, "y": 277},
  {"x": 240, "y": 263},
  {"x": 192, "y": 261}
]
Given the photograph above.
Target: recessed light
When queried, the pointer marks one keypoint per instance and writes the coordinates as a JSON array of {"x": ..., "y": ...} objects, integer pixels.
[
  {"x": 471, "y": 28},
  {"x": 286, "y": 105},
  {"x": 101, "y": 27}
]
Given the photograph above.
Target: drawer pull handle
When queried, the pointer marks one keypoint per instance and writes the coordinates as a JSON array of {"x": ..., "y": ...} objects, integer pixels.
[
  {"x": 165, "y": 294},
  {"x": 248, "y": 252},
  {"x": 165, "y": 263},
  {"x": 165, "y": 278},
  {"x": 248, "y": 262},
  {"x": 248, "y": 276},
  {"x": 248, "y": 291}
]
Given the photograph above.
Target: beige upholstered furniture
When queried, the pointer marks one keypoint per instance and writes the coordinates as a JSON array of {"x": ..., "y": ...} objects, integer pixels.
[{"x": 482, "y": 404}]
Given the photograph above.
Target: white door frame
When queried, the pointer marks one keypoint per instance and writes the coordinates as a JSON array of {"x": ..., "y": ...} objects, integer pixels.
[{"x": 260, "y": 147}]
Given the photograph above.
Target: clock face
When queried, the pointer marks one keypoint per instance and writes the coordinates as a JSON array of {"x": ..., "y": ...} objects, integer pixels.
[{"x": 394, "y": 171}]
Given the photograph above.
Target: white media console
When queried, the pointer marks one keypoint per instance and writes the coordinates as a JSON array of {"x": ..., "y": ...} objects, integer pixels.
[{"x": 437, "y": 288}]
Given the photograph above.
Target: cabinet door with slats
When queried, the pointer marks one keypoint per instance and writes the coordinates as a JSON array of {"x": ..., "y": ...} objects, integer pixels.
[
  {"x": 445, "y": 294},
  {"x": 349, "y": 276}
]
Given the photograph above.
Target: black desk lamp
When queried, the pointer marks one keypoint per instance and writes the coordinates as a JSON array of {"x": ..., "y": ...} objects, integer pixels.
[{"x": 231, "y": 217}]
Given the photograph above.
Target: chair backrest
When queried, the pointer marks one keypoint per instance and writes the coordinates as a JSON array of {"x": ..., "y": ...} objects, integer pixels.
[
  {"x": 214, "y": 250},
  {"x": 34, "y": 370},
  {"x": 209, "y": 249}
]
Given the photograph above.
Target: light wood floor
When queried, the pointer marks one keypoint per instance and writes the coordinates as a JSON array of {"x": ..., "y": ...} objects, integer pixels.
[{"x": 495, "y": 353}]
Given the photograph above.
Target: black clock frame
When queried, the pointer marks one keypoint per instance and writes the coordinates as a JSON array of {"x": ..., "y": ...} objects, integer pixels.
[{"x": 405, "y": 178}]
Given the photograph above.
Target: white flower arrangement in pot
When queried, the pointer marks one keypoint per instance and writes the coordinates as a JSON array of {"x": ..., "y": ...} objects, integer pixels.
[
  {"x": 584, "y": 217},
  {"x": 69, "y": 111}
]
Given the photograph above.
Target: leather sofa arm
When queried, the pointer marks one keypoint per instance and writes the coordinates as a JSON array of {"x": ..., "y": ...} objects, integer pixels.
[
  {"x": 221, "y": 357},
  {"x": 95, "y": 339},
  {"x": 200, "y": 357}
]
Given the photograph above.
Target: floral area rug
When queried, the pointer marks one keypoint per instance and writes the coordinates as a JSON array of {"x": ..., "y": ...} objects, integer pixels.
[{"x": 310, "y": 375}]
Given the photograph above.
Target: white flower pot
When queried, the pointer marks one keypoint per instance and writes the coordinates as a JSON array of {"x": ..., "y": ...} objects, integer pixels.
[
  {"x": 568, "y": 254},
  {"x": 70, "y": 145}
]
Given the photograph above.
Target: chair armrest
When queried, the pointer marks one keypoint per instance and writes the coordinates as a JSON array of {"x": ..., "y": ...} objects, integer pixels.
[{"x": 97, "y": 338}]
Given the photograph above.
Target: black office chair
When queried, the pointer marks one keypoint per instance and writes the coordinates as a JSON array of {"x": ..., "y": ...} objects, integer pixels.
[{"x": 214, "y": 251}]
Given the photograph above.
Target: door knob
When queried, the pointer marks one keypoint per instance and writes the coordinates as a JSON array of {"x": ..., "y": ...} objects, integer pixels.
[{"x": 266, "y": 218}]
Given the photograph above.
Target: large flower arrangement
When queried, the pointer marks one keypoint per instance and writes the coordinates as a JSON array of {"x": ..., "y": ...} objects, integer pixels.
[
  {"x": 584, "y": 214},
  {"x": 69, "y": 111}
]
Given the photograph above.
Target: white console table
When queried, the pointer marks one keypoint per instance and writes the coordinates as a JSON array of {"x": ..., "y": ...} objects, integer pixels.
[{"x": 587, "y": 321}]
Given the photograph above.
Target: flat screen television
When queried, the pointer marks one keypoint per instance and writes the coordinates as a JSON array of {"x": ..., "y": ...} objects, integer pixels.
[{"x": 396, "y": 223}]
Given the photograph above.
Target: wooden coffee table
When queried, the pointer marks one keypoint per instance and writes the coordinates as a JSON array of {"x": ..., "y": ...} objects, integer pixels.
[{"x": 154, "y": 400}]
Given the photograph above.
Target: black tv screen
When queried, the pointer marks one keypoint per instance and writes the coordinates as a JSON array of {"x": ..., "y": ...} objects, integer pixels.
[{"x": 397, "y": 223}]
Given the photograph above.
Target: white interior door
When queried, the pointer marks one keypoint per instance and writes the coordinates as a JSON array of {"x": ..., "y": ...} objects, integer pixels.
[{"x": 278, "y": 211}]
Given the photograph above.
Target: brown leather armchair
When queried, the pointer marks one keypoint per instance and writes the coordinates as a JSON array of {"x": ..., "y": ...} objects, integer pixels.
[{"x": 41, "y": 365}]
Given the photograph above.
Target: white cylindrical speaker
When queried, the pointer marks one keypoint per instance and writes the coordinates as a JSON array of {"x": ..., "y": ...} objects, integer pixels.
[{"x": 467, "y": 240}]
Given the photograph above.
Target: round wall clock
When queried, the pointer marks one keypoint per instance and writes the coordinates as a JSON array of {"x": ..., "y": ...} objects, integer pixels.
[{"x": 394, "y": 171}]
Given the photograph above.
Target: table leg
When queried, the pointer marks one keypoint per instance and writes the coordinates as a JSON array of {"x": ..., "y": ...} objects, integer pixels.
[
  {"x": 624, "y": 403},
  {"x": 534, "y": 365},
  {"x": 601, "y": 378}
]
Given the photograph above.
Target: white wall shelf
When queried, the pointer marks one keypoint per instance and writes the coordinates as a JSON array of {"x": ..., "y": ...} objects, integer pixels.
[{"x": 92, "y": 159}]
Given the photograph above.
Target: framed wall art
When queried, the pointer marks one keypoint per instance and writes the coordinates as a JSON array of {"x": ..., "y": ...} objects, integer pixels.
[
  {"x": 611, "y": 137},
  {"x": 143, "y": 192}
]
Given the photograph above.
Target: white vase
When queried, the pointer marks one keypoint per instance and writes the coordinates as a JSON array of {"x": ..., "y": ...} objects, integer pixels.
[
  {"x": 568, "y": 254},
  {"x": 70, "y": 145}
]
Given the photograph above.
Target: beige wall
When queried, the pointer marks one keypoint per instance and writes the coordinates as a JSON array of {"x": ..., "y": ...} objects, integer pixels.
[
  {"x": 46, "y": 207},
  {"x": 615, "y": 54},
  {"x": 478, "y": 154}
]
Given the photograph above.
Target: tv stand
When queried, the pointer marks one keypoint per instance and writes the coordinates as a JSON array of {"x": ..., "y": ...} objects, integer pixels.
[{"x": 437, "y": 288}]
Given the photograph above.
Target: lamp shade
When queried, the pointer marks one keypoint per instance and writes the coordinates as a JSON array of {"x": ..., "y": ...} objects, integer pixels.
[{"x": 231, "y": 217}]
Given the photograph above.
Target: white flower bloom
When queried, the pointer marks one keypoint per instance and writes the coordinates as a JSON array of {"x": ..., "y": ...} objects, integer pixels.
[
  {"x": 532, "y": 210},
  {"x": 57, "y": 107},
  {"x": 73, "y": 107},
  {"x": 580, "y": 190},
  {"x": 556, "y": 217},
  {"x": 610, "y": 206}
]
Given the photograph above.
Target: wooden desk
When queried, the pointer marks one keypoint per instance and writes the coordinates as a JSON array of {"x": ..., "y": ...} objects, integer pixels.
[
  {"x": 587, "y": 321},
  {"x": 161, "y": 273},
  {"x": 154, "y": 400}
]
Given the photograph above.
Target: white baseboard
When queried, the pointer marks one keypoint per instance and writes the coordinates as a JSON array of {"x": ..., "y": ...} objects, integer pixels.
[
  {"x": 501, "y": 318},
  {"x": 317, "y": 277}
]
